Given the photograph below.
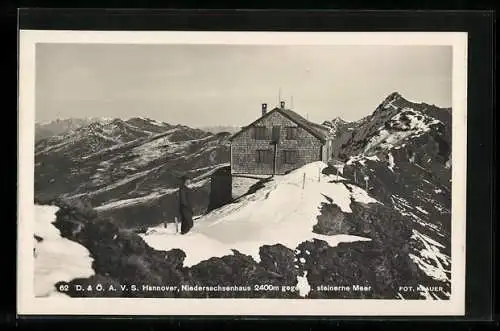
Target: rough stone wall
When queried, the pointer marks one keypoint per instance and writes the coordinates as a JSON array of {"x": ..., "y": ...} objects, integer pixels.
[{"x": 244, "y": 148}]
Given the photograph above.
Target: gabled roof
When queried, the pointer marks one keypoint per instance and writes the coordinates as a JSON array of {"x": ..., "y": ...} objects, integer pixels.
[{"x": 317, "y": 130}]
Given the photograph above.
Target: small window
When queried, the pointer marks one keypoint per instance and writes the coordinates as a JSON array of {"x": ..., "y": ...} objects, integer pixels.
[
  {"x": 291, "y": 133},
  {"x": 290, "y": 157},
  {"x": 260, "y": 132},
  {"x": 264, "y": 156}
]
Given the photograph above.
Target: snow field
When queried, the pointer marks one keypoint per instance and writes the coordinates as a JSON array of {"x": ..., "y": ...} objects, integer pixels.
[
  {"x": 56, "y": 258},
  {"x": 279, "y": 213}
]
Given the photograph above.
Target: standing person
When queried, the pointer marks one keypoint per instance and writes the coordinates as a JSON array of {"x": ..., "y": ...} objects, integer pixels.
[{"x": 185, "y": 206}]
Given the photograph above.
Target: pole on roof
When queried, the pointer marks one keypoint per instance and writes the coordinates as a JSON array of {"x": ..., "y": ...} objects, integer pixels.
[{"x": 291, "y": 102}]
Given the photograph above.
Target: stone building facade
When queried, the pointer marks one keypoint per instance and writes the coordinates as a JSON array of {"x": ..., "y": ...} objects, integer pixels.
[{"x": 279, "y": 141}]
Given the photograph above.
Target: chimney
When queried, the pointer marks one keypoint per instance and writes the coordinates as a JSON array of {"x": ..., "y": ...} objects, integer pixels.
[
  {"x": 264, "y": 109},
  {"x": 282, "y": 104}
]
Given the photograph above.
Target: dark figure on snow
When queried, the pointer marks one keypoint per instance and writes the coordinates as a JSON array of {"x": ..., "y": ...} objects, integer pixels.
[{"x": 185, "y": 206}]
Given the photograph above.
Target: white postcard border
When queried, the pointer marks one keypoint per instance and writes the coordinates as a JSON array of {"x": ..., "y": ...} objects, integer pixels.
[{"x": 29, "y": 305}]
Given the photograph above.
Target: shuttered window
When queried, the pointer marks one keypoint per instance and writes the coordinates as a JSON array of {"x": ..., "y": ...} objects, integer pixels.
[
  {"x": 264, "y": 156},
  {"x": 276, "y": 133},
  {"x": 291, "y": 133},
  {"x": 260, "y": 132},
  {"x": 290, "y": 157}
]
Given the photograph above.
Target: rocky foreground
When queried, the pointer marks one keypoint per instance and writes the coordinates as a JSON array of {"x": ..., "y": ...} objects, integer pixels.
[{"x": 380, "y": 266}]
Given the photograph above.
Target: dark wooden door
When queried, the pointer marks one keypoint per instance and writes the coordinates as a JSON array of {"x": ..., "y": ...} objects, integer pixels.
[
  {"x": 276, "y": 139},
  {"x": 221, "y": 184}
]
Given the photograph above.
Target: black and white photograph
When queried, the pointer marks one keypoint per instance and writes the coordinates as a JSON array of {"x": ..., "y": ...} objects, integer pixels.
[{"x": 245, "y": 168}]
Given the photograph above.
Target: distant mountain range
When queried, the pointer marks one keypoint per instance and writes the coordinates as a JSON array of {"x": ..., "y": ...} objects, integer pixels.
[
  {"x": 60, "y": 126},
  {"x": 232, "y": 129}
]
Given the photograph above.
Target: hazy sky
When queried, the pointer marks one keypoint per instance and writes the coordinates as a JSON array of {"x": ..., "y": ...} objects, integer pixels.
[{"x": 199, "y": 85}]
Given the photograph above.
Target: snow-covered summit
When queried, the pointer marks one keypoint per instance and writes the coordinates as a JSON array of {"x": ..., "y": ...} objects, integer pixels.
[{"x": 394, "y": 122}]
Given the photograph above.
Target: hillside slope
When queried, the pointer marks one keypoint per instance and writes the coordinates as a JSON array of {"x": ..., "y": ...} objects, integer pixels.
[{"x": 402, "y": 155}]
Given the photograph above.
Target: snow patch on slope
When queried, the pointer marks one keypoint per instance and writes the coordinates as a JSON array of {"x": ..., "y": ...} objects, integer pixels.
[
  {"x": 154, "y": 149},
  {"x": 434, "y": 263},
  {"x": 118, "y": 183},
  {"x": 391, "y": 162},
  {"x": 56, "y": 258},
  {"x": 135, "y": 201},
  {"x": 160, "y": 145},
  {"x": 303, "y": 285}
]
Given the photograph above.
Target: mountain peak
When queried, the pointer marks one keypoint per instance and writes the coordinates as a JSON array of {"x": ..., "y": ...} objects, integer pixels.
[
  {"x": 394, "y": 96},
  {"x": 338, "y": 119}
]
